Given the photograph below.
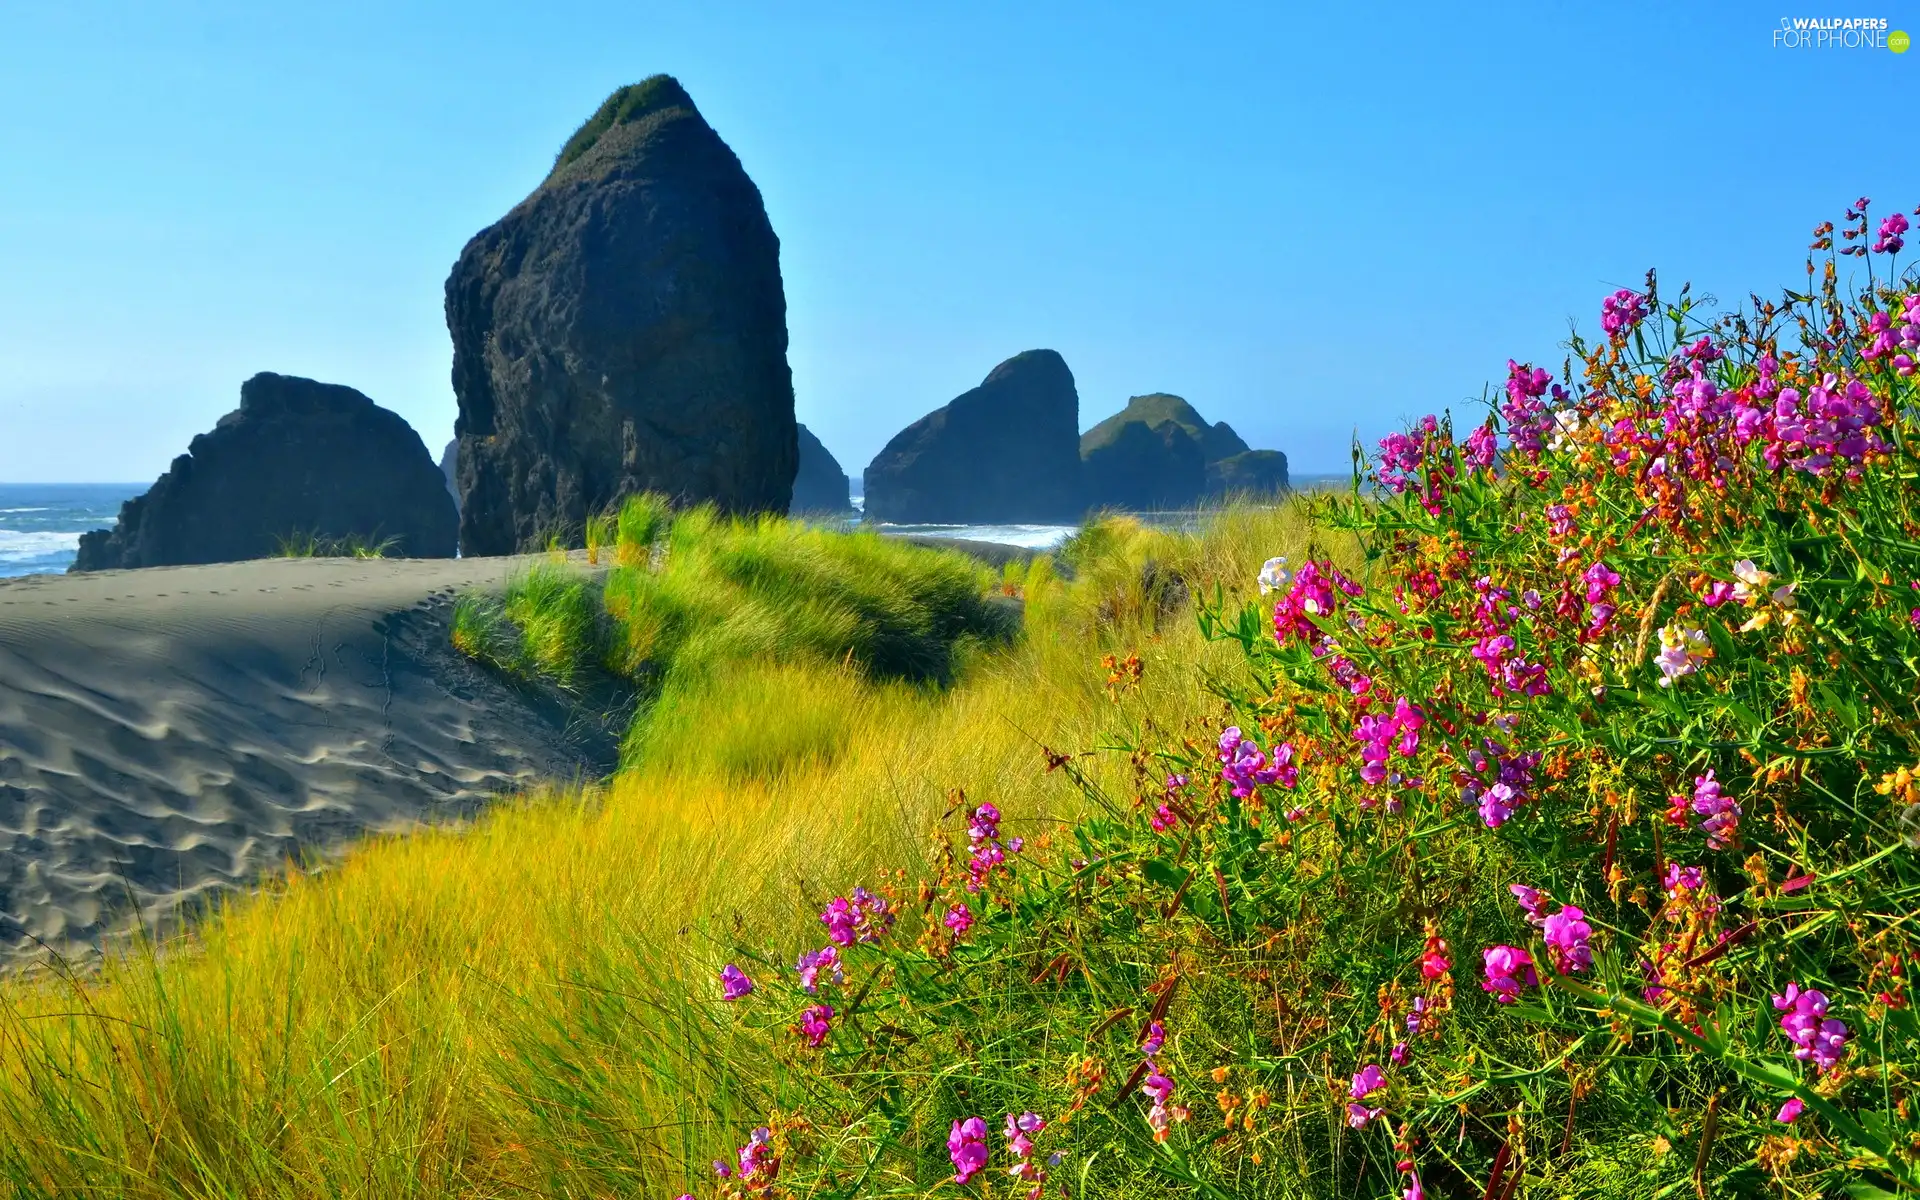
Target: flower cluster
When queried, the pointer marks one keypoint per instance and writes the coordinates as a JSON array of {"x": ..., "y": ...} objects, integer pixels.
[
  {"x": 1381, "y": 734},
  {"x": 1816, "y": 1037},
  {"x": 863, "y": 918},
  {"x": 1622, "y": 312},
  {"x": 1245, "y": 766},
  {"x": 985, "y": 851}
]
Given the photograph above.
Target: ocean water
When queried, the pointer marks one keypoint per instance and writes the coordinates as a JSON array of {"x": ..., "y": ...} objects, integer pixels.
[{"x": 41, "y": 523}]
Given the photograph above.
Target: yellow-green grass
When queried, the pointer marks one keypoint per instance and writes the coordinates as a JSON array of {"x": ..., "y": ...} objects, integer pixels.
[{"x": 528, "y": 1005}]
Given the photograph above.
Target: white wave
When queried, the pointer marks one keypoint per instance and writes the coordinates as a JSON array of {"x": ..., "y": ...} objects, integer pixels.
[
  {"x": 1027, "y": 537},
  {"x": 16, "y": 546},
  {"x": 21, "y": 510}
]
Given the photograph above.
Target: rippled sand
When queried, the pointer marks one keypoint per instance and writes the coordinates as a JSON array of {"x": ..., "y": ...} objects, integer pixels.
[{"x": 169, "y": 732}]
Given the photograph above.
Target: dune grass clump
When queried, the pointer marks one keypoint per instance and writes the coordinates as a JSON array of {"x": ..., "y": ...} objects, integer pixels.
[{"x": 311, "y": 545}]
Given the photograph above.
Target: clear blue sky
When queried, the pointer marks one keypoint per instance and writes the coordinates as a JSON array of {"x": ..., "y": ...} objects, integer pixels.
[{"x": 1305, "y": 220}]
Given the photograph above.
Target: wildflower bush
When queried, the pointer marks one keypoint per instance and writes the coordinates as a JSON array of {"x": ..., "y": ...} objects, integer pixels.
[{"x": 1564, "y": 845}]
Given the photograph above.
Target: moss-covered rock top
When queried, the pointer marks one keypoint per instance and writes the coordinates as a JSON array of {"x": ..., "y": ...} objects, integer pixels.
[
  {"x": 1160, "y": 408},
  {"x": 634, "y": 102}
]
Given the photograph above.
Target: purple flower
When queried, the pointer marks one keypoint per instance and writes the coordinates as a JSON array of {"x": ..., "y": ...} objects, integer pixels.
[
  {"x": 1508, "y": 969},
  {"x": 1816, "y": 1037},
  {"x": 1496, "y": 805},
  {"x": 862, "y": 919},
  {"x": 816, "y": 1023},
  {"x": 959, "y": 918},
  {"x": 1890, "y": 240},
  {"x": 756, "y": 1157},
  {"x": 812, "y": 962},
  {"x": 1367, "y": 1081},
  {"x": 1359, "y": 1114},
  {"x": 734, "y": 983},
  {"x": 1156, "y": 1038},
  {"x": 1791, "y": 1109},
  {"x": 1567, "y": 934},
  {"x": 1687, "y": 878},
  {"x": 1398, "y": 1055},
  {"x": 967, "y": 1147},
  {"x": 1244, "y": 766},
  {"x": 1721, "y": 812},
  {"x": 1157, "y": 1087},
  {"x": 1531, "y": 899},
  {"x": 1621, "y": 312}
]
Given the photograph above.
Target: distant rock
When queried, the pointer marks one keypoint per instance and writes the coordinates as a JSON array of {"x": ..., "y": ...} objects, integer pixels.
[
  {"x": 297, "y": 460},
  {"x": 1158, "y": 452},
  {"x": 1142, "y": 467},
  {"x": 1159, "y": 408},
  {"x": 622, "y": 329},
  {"x": 821, "y": 486},
  {"x": 449, "y": 466},
  {"x": 1255, "y": 472},
  {"x": 1007, "y": 451}
]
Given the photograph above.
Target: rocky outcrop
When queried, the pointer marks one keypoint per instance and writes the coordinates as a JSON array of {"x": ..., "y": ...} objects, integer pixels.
[
  {"x": 1142, "y": 467},
  {"x": 450, "y": 467},
  {"x": 1007, "y": 451},
  {"x": 1255, "y": 473},
  {"x": 1158, "y": 452},
  {"x": 821, "y": 486},
  {"x": 298, "y": 461},
  {"x": 622, "y": 329}
]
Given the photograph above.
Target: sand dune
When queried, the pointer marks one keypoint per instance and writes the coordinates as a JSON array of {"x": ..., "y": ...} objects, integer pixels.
[{"x": 168, "y": 732}]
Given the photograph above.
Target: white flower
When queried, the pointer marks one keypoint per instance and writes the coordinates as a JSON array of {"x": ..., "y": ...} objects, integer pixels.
[
  {"x": 1274, "y": 575},
  {"x": 1752, "y": 581},
  {"x": 1567, "y": 422}
]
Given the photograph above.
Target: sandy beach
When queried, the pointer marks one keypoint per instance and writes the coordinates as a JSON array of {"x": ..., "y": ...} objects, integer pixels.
[{"x": 170, "y": 732}]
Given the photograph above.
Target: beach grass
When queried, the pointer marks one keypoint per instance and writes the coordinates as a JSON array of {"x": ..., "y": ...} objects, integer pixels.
[{"x": 527, "y": 1004}]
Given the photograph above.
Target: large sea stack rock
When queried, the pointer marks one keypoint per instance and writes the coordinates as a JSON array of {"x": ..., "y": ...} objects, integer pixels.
[
  {"x": 821, "y": 486},
  {"x": 622, "y": 329},
  {"x": 1252, "y": 473},
  {"x": 297, "y": 460},
  {"x": 1007, "y": 451}
]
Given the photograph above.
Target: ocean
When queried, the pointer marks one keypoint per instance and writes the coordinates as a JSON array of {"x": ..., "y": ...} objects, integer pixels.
[{"x": 41, "y": 523}]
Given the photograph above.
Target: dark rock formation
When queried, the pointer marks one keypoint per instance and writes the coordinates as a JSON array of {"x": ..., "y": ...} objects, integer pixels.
[
  {"x": 1143, "y": 467},
  {"x": 622, "y": 329},
  {"x": 1158, "y": 452},
  {"x": 450, "y": 467},
  {"x": 1160, "y": 408},
  {"x": 821, "y": 486},
  {"x": 1007, "y": 451},
  {"x": 297, "y": 460},
  {"x": 1255, "y": 472}
]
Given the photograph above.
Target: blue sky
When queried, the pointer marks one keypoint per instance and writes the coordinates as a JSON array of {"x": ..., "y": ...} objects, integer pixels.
[{"x": 1305, "y": 220}]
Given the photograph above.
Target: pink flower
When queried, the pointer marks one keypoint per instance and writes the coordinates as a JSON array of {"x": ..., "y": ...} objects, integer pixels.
[
  {"x": 1398, "y": 1055},
  {"x": 1621, "y": 312},
  {"x": 756, "y": 1157},
  {"x": 959, "y": 918},
  {"x": 1508, "y": 969},
  {"x": 1157, "y": 1087},
  {"x": 1791, "y": 1109},
  {"x": 1359, "y": 1114},
  {"x": 734, "y": 983},
  {"x": 967, "y": 1147},
  {"x": 812, "y": 962},
  {"x": 816, "y": 1023},
  {"x": 1531, "y": 899},
  {"x": 1817, "y": 1038},
  {"x": 1567, "y": 934},
  {"x": 1367, "y": 1081}
]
